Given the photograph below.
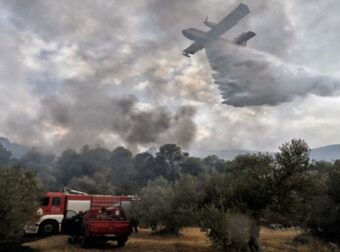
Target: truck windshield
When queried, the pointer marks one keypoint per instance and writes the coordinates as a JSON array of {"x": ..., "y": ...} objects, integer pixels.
[{"x": 43, "y": 201}]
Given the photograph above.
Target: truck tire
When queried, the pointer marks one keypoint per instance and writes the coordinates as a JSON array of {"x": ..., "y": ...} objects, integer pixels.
[
  {"x": 48, "y": 227},
  {"x": 121, "y": 241}
]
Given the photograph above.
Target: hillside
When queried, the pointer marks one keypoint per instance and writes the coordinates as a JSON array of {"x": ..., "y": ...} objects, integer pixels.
[{"x": 328, "y": 153}]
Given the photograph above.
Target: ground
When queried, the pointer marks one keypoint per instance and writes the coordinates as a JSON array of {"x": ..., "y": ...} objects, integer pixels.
[{"x": 192, "y": 239}]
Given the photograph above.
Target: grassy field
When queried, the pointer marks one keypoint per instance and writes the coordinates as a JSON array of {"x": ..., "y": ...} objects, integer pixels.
[{"x": 191, "y": 240}]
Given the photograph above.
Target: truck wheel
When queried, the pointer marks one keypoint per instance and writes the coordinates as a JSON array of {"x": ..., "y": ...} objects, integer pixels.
[
  {"x": 121, "y": 241},
  {"x": 48, "y": 228}
]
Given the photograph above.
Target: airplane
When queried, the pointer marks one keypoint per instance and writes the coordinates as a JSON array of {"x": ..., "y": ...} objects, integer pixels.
[{"x": 202, "y": 38}]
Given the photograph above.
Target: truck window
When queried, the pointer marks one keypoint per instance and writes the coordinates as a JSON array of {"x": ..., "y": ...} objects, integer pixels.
[
  {"x": 69, "y": 214},
  {"x": 56, "y": 201},
  {"x": 43, "y": 201}
]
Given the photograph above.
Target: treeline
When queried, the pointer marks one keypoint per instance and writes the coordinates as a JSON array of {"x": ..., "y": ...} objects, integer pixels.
[
  {"x": 99, "y": 170},
  {"x": 231, "y": 199},
  {"x": 228, "y": 199}
]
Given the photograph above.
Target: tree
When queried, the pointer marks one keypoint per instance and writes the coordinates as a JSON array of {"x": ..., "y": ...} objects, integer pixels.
[
  {"x": 323, "y": 217},
  {"x": 155, "y": 203},
  {"x": 213, "y": 164},
  {"x": 172, "y": 206},
  {"x": 188, "y": 195},
  {"x": 168, "y": 159},
  {"x": 260, "y": 184},
  {"x": 293, "y": 158},
  {"x": 97, "y": 184},
  {"x": 145, "y": 167},
  {"x": 245, "y": 187},
  {"x": 122, "y": 165},
  {"x": 5, "y": 156},
  {"x": 292, "y": 180},
  {"x": 192, "y": 166},
  {"x": 18, "y": 193},
  {"x": 333, "y": 182}
]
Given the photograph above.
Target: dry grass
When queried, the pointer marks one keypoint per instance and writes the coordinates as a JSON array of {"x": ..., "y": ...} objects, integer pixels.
[
  {"x": 191, "y": 240},
  {"x": 279, "y": 240}
]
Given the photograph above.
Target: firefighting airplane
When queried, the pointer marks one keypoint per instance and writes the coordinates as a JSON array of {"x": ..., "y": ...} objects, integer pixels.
[{"x": 202, "y": 38}]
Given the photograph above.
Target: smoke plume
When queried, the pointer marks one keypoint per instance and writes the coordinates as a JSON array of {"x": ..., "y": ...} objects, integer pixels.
[
  {"x": 247, "y": 77},
  {"x": 87, "y": 115}
]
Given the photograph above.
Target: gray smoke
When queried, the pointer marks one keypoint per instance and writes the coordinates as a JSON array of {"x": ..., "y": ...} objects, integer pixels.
[
  {"x": 111, "y": 73},
  {"x": 88, "y": 113},
  {"x": 247, "y": 77}
]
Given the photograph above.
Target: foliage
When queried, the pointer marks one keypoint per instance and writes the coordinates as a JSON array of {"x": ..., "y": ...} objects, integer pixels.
[
  {"x": 170, "y": 206},
  {"x": 192, "y": 166},
  {"x": 18, "y": 193},
  {"x": 168, "y": 159},
  {"x": 230, "y": 231},
  {"x": 175, "y": 188},
  {"x": 155, "y": 203},
  {"x": 324, "y": 215},
  {"x": 97, "y": 184}
]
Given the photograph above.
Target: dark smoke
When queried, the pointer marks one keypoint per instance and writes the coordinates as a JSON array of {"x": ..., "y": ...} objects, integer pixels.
[
  {"x": 87, "y": 112},
  {"x": 247, "y": 77}
]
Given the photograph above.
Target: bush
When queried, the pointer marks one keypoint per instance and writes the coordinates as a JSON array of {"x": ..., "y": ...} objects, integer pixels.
[
  {"x": 324, "y": 215},
  {"x": 155, "y": 202},
  {"x": 230, "y": 231},
  {"x": 172, "y": 206},
  {"x": 18, "y": 194}
]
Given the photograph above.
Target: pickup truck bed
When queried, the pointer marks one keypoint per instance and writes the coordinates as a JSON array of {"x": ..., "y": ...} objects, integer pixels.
[{"x": 103, "y": 225}]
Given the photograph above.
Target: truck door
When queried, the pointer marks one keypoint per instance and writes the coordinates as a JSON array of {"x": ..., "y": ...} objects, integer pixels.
[{"x": 67, "y": 225}]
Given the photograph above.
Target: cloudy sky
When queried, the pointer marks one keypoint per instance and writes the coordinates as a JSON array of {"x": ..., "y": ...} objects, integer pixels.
[{"x": 112, "y": 73}]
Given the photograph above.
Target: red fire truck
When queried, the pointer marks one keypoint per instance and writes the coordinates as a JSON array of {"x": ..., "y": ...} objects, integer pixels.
[{"x": 54, "y": 206}]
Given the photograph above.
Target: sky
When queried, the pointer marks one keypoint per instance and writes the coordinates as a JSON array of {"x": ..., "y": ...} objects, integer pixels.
[{"x": 111, "y": 73}]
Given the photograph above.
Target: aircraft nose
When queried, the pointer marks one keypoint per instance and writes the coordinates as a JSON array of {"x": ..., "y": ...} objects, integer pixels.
[{"x": 186, "y": 33}]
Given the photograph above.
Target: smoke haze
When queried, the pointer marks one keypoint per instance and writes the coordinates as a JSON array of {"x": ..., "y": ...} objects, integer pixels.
[{"x": 110, "y": 73}]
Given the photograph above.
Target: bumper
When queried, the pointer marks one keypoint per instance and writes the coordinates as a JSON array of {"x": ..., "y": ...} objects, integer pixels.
[{"x": 31, "y": 229}]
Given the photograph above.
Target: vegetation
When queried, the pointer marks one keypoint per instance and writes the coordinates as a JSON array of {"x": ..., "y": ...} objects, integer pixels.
[
  {"x": 227, "y": 199},
  {"x": 18, "y": 193}
]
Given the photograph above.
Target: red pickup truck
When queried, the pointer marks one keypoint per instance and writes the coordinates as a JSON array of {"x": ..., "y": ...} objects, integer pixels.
[
  {"x": 104, "y": 225},
  {"x": 101, "y": 225}
]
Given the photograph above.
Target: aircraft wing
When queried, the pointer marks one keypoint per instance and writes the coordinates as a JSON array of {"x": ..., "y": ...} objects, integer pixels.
[
  {"x": 193, "y": 48},
  {"x": 229, "y": 21}
]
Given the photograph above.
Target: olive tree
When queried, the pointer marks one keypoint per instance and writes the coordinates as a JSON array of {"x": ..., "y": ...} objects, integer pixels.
[{"x": 18, "y": 194}]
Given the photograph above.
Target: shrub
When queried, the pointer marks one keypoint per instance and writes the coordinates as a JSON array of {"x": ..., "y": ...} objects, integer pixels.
[
  {"x": 230, "y": 231},
  {"x": 18, "y": 193}
]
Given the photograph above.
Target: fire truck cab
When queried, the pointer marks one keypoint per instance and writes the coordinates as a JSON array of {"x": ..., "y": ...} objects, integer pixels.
[{"x": 55, "y": 206}]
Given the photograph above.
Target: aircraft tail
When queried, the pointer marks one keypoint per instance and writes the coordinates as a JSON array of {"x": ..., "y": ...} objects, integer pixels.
[
  {"x": 208, "y": 23},
  {"x": 244, "y": 37}
]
